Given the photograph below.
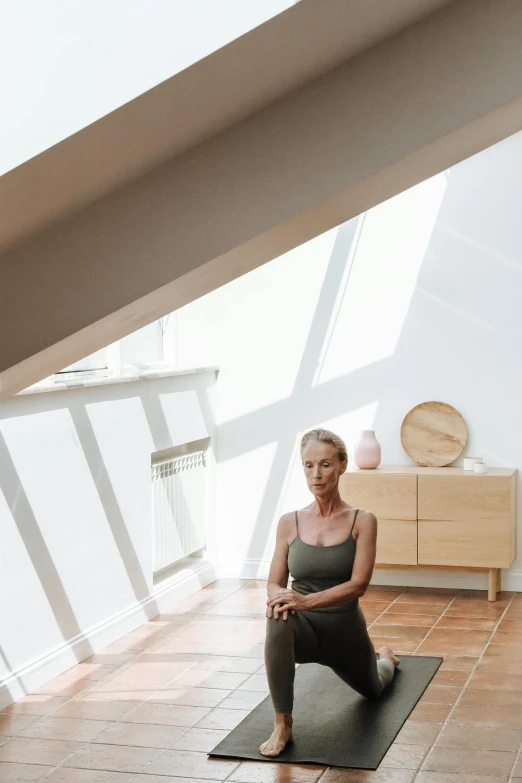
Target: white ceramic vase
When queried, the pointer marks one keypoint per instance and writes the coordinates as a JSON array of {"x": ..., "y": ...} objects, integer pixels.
[{"x": 367, "y": 451}]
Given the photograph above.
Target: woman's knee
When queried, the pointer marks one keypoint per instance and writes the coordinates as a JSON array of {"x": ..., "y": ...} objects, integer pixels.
[{"x": 276, "y": 626}]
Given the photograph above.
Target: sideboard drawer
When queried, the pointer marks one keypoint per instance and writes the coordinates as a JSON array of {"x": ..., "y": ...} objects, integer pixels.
[
  {"x": 480, "y": 543},
  {"x": 387, "y": 495},
  {"x": 466, "y": 497},
  {"x": 396, "y": 541}
]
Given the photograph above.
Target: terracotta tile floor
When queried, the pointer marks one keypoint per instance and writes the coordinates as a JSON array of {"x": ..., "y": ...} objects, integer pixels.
[{"x": 148, "y": 708}]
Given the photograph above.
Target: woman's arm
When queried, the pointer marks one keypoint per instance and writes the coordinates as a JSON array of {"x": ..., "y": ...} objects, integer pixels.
[
  {"x": 278, "y": 575},
  {"x": 363, "y": 565}
]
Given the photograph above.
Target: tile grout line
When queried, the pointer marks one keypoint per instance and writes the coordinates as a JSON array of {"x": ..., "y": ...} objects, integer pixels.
[
  {"x": 126, "y": 714},
  {"x": 169, "y": 747},
  {"x": 517, "y": 757},
  {"x": 421, "y": 642},
  {"x": 103, "y": 679},
  {"x": 423, "y": 639},
  {"x": 430, "y": 629},
  {"x": 161, "y": 751},
  {"x": 188, "y": 728},
  {"x": 445, "y": 722},
  {"x": 93, "y": 684},
  {"x": 436, "y": 622},
  {"x": 50, "y": 714},
  {"x": 385, "y": 610}
]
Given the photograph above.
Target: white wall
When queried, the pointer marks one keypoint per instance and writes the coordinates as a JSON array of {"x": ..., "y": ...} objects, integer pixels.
[
  {"x": 71, "y": 63},
  {"x": 75, "y": 516},
  {"x": 418, "y": 299}
]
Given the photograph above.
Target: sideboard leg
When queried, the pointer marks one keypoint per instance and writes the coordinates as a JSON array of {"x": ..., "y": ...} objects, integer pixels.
[{"x": 492, "y": 584}]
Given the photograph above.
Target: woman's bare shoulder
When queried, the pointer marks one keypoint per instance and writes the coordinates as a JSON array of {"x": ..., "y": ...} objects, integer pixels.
[
  {"x": 366, "y": 520},
  {"x": 285, "y": 530},
  {"x": 365, "y": 516},
  {"x": 286, "y": 522}
]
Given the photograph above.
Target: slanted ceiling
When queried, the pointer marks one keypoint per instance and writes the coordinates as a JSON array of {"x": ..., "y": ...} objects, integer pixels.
[{"x": 255, "y": 185}]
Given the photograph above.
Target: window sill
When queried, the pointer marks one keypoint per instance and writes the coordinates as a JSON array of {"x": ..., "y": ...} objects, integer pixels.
[{"x": 88, "y": 382}]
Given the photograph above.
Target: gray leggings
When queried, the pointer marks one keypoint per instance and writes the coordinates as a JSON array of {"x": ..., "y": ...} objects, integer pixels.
[{"x": 339, "y": 640}]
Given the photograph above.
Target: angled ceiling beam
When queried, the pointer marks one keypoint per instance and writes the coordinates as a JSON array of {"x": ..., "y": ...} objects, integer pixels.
[{"x": 409, "y": 107}]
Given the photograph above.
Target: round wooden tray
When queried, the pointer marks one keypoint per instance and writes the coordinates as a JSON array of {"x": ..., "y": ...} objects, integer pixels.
[{"x": 433, "y": 434}]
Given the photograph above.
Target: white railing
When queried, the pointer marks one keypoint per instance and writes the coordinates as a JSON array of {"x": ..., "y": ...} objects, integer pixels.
[{"x": 178, "y": 508}]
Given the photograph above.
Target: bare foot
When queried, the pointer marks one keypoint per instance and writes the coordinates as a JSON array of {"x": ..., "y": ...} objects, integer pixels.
[
  {"x": 387, "y": 652},
  {"x": 281, "y": 734}
]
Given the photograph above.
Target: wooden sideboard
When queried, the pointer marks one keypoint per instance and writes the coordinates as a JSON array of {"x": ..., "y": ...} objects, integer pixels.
[{"x": 439, "y": 518}]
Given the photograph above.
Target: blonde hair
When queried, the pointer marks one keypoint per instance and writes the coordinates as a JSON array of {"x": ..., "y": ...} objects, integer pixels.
[{"x": 325, "y": 436}]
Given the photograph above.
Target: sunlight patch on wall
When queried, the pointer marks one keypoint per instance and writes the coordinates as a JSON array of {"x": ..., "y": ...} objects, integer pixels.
[
  {"x": 39, "y": 618},
  {"x": 468, "y": 318},
  {"x": 260, "y": 324},
  {"x": 118, "y": 436},
  {"x": 386, "y": 264},
  {"x": 241, "y": 488},
  {"x": 59, "y": 498},
  {"x": 291, "y": 489},
  {"x": 183, "y": 416}
]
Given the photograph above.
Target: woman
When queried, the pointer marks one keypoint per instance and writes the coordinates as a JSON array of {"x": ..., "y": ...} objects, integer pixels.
[{"x": 329, "y": 550}]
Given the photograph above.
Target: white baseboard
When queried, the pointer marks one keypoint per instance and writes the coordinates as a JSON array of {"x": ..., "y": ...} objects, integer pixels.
[
  {"x": 53, "y": 663},
  {"x": 258, "y": 569}
]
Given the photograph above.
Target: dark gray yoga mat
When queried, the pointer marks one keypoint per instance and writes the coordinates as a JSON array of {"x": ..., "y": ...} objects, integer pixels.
[{"x": 333, "y": 725}]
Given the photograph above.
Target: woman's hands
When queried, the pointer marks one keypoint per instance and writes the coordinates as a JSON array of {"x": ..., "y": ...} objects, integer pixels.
[{"x": 285, "y": 600}]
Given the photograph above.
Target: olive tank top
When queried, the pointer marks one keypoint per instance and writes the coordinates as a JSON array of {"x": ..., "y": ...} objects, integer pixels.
[{"x": 315, "y": 568}]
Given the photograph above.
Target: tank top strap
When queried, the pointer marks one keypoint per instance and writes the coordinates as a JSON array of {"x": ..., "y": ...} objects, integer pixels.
[
  {"x": 296, "y": 523},
  {"x": 353, "y": 523}
]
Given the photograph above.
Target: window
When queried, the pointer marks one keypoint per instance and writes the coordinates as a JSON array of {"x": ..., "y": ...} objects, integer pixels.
[
  {"x": 143, "y": 349},
  {"x": 95, "y": 362}
]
